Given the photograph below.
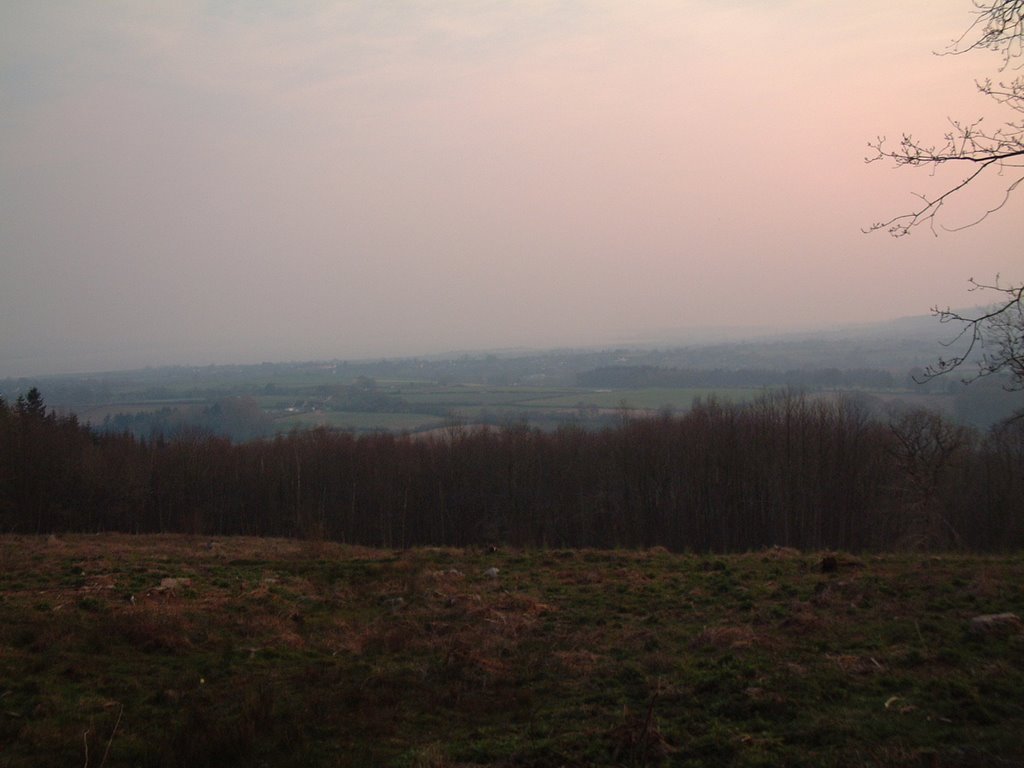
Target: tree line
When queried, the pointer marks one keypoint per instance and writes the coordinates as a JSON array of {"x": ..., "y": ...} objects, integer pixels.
[{"x": 784, "y": 470}]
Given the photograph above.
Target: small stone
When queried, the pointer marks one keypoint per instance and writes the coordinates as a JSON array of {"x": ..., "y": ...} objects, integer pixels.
[
  {"x": 997, "y": 623},
  {"x": 491, "y": 573},
  {"x": 170, "y": 584}
]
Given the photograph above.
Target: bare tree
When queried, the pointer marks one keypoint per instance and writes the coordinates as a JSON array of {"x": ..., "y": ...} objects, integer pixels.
[
  {"x": 927, "y": 449},
  {"x": 994, "y": 336},
  {"x": 999, "y": 26}
]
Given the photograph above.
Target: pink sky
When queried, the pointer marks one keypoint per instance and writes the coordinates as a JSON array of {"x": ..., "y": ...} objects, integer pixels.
[{"x": 187, "y": 185}]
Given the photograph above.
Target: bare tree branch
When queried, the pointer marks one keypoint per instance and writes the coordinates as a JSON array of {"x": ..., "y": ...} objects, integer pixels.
[
  {"x": 992, "y": 338},
  {"x": 996, "y": 334},
  {"x": 990, "y": 211},
  {"x": 999, "y": 151},
  {"x": 910, "y": 153},
  {"x": 998, "y": 26}
]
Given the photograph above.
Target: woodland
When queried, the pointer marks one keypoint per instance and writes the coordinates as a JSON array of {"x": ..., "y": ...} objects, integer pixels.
[{"x": 784, "y": 469}]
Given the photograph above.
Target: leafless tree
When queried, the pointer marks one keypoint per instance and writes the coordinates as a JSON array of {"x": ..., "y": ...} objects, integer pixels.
[
  {"x": 997, "y": 333},
  {"x": 999, "y": 26},
  {"x": 926, "y": 448}
]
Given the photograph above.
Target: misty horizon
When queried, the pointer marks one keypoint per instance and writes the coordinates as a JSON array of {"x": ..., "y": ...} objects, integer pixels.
[
  {"x": 919, "y": 327},
  {"x": 183, "y": 184}
]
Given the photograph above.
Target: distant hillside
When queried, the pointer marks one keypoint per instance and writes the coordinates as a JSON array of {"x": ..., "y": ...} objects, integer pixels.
[{"x": 887, "y": 359}]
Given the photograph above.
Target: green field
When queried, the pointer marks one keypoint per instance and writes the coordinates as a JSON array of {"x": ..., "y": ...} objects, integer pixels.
[
  {"x": 407, "y": 396},
  {"x": 164, "y": 651},
  {"x": 319, "y": 400},
  {"x": 543, "y": 397},
  {"x": 476, "y": 395},
  {"x": 538, "y": 405},
  {"x": 644, "y": 399}
]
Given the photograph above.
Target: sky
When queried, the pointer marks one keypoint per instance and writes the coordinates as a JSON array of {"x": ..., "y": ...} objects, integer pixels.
[{"x": 188, "y": 182}]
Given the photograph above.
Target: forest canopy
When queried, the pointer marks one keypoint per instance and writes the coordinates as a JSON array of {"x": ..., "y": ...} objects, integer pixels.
[{"x": 784, "y": 470}]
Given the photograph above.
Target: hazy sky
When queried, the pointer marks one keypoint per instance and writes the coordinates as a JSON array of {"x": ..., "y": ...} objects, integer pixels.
[{"x": 196, "y": 182}]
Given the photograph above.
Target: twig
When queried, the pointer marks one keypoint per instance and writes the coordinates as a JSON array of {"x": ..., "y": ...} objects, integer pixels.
[{"x": 111, "y": 739}]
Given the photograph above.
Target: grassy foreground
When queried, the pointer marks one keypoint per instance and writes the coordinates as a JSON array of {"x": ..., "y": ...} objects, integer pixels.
[{"x": 152, "y": 651}]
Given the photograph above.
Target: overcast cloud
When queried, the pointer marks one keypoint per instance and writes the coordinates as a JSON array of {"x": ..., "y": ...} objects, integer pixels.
[{"x": 187, "y": 182}]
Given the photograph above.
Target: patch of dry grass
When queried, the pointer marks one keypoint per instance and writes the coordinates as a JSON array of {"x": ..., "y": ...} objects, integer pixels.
[{"x": 248, "y": 651}]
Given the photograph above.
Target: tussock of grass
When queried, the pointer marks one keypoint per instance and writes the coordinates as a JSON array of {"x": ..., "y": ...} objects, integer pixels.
[{"x": 292, "y": 653}]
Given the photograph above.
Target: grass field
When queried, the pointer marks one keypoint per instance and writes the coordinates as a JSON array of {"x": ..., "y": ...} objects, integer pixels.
[
  {"x": 154, "y": 651},
  {"x": 333, "y": 395},
  {"x": 478, "y": 396},
  {"x": 650, "y": 398}
]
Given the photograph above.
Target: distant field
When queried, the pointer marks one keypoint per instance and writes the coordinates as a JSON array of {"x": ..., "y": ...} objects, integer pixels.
[
  {"x": 175, "y": 651},
  {"x": 478, "y": 395},
  {"x": 414, "y": 396},
  {"x": 544, "y": 406},
  {"x": 647, "y": 399},
  {"x": 540, "y": 397}
]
